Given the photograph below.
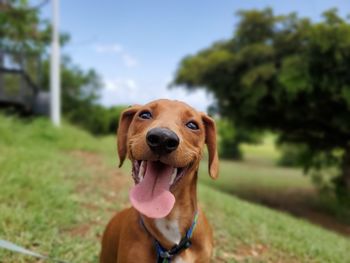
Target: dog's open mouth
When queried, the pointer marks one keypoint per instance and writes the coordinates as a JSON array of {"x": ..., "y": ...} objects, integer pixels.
[
  {"x": 151, "y": 194},
  {"x": 139, "y": 170}
]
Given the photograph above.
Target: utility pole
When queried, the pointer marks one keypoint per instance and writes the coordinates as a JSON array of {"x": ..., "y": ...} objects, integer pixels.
[{"x": 55, "y": 82}]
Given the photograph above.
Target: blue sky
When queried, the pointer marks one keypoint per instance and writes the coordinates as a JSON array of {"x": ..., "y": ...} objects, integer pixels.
[{"x": 137, "y": 45}]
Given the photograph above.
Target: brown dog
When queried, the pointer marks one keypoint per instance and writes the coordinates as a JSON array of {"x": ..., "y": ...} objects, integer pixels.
[{"x": 164, "y": 141}]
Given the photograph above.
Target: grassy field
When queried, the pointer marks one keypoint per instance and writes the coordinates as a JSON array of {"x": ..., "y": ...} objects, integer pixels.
[
  {"x": 258, "y": 173},
  {"x": 59, "y": 187}
]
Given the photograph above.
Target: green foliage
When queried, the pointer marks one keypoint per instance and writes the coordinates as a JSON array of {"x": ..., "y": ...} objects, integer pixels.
[
  {"x": 22, "y": 30},
  {"x": 228, "y": 143},
  {"x": 97, "y": 119},
  {"x": 80, "y": 94},
  {"x": 292, "y": 155},
  {"x": 285, "y": 74},
  {"x": 230, "y": 138},
  {"x": 114, "y": 114},
  {"x": 20, "y": 27}
]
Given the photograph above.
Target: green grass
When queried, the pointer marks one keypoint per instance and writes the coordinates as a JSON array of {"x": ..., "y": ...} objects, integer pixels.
[
  {"x": 258, "y": 171},
  {"x": 264, "y": 152},
  {"x": 38, "y": 201},
  {"x": 238, "y": 175},
  {"x": 241, "y": 226},
  {"x": 52, "y": 201}
]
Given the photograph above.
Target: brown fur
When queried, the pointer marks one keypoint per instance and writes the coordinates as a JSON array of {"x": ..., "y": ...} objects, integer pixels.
[{"x": 124, "y": 239}]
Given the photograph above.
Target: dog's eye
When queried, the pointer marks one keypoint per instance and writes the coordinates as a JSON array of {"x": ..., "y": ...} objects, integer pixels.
[
  {"x": 192, "y": 125},
  {"x": 146, "y": 115}
]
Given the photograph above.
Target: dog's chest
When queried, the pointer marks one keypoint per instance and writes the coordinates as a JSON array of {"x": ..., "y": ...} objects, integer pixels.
[
  {"x": 171, "y": 231},
  {"x": 180, "y": 260}
]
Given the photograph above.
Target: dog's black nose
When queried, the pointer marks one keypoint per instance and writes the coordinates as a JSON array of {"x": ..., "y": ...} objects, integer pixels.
[{"x": 162, "y": 140}]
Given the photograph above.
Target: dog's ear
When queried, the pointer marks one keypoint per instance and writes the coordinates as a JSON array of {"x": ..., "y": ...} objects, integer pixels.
[
  {"x": 122, "y": 133},
  {"x": 210, "y": 140}
]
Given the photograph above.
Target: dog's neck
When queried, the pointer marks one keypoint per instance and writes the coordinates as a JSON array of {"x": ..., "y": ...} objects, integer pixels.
[{"x": 168, "y": 231}]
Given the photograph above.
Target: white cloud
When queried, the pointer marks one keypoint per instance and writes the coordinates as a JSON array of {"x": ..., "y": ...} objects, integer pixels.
[
  {"x": 198, "y": 99},
  {"x": 114, "y": 48},
  {"x": 127, "y": 59},
  {"x": 126, "y": 91},
  {"x": 120, "y": 85}
]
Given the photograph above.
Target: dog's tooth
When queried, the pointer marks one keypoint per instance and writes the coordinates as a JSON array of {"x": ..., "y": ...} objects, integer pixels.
[
  {"x": 142, "y": 170},
  {"x": 173, "y": 176}
]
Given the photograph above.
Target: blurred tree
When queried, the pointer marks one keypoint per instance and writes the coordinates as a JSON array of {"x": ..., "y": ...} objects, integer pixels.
[
  {"x": 228, "y": 141},
  {"x": 80, "y": 93},
  {"x": 292, "y": 154},
  {"x": 230, "y": 138},
  {"x": 285, "y": 74},
  {"x": 22, "y": 31},
  {"x": 114, "y": 113}
]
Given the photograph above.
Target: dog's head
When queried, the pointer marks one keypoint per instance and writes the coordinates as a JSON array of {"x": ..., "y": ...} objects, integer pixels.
[{"x": 164, "y": 140}]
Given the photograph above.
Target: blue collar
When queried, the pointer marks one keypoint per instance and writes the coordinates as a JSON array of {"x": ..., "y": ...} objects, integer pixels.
[{"x": 165, "y": 256}]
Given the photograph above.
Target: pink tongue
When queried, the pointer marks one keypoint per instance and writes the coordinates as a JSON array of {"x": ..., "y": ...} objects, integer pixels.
[{"x": 152, "y": 197}]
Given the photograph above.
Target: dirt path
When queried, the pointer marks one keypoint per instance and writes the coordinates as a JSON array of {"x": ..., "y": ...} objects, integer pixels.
[
  {"x": 105, "y": 181},
  {"x": 298, "y": 203}
]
